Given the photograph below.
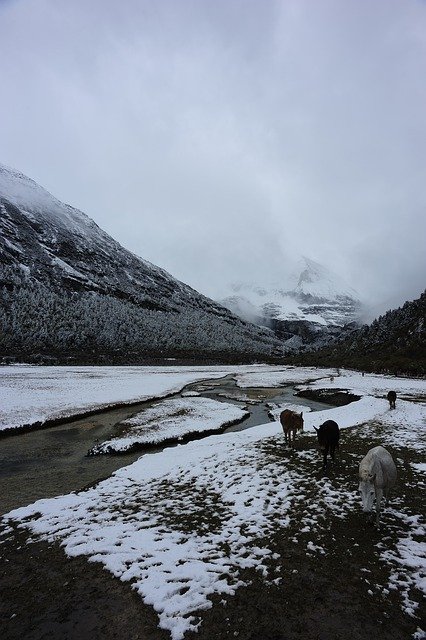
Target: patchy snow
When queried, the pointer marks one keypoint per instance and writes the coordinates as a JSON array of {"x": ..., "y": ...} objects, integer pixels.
[
  {"x": 409, "y": 553},
  {"x": 184, "y": 523},
  {"x": 172, "y": 420},
  {"x": 402, "y": 426},
  {"x": 12, "y": 246},
  {"x": 68, "y": 268},
  {"x": 180, "y": 525}
]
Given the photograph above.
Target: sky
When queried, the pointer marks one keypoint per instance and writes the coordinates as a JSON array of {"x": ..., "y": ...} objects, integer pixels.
[{"x": 223, "y": 139}]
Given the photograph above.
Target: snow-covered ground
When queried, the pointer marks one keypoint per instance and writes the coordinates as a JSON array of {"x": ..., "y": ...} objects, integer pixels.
[
  {"x": 279, "y": 376},
  {"x": 172, "y": 419},
  {"x": 349, "y": 415},
  {"x": 37, "y": 394},
  {"x": 373, "y": 384},
  {"x": 183, "y": 524}
]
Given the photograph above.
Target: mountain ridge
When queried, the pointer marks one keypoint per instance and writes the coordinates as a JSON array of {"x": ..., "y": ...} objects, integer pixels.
[{"x": 52, "y": 249}]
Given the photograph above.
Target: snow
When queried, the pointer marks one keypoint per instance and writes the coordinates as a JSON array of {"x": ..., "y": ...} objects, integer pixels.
[
  {"x": 311, "y": 294},
  {"x": 33, "y": 395},
  {"x": 172, "y": 419},
  {"x": 278, "y": 376},
  {"x": 373, "y": 384},
  {"x": 275, "y": 410},
  {"x": 318, "y": 281},
  {"x": 134, "y": 522},
  {"x": 183, "y": 524},
  {"x": 68, "y": 268},
  {"x": 420, "y": 467},
  {"x": 12, "y": 246},
  {"x": 409, "y": 553},
  {"x": 393, "y": 429},
  {"x": 27, "y": 194}
]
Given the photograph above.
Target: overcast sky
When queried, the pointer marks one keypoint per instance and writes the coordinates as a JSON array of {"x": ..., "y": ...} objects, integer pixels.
[{"x": 221, "y": 139}]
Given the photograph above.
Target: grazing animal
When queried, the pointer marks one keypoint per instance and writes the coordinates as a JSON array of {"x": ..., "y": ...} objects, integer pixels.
[
  {"x": 328, "y": 439},
  {"x": 392, "y": 399},
  {"x": 291, "y": 422},
  {"x": 377, "y": 475}
]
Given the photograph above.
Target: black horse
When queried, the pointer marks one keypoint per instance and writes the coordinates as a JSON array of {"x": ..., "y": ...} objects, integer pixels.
[
  {"x": 328, "y": 439},
  {"x": 392, "y": 399}
]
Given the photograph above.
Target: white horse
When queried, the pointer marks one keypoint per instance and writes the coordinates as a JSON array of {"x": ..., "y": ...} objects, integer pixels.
[{"x": 377, "y": 475}]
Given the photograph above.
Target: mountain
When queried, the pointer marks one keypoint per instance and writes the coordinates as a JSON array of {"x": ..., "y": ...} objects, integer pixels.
[
  {"x": 392, "y": 343},
  {"x": 69, "y": 289},
  {"x": 311, "y": 305}
]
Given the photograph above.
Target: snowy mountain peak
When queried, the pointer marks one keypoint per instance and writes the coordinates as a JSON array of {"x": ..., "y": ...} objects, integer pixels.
[
  {"x": 311, "y": 299},
  {"x": 318, "y": 282}
]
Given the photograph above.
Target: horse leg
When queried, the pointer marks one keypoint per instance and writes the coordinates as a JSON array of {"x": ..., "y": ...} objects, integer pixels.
[
  {"x": 387, "y": 496},
  {"x": 325, "y": 457},
  {"x": 379, "y": 496}
]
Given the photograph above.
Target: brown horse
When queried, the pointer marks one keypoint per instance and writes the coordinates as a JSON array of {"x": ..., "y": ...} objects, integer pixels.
[{"x": 291, "y": 422}]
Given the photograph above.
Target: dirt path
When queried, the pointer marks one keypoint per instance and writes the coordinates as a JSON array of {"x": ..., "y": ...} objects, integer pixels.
[{"x": 337, "y": 590}]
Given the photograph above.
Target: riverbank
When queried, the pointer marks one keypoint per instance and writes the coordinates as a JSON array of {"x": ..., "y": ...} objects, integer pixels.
[{"x": 51, "y": 461}]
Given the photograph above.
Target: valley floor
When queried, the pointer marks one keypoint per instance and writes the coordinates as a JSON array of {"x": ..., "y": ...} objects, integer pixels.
[{"x": 233, "y": 536}]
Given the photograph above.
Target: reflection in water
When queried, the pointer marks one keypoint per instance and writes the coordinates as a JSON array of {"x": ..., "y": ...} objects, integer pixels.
[{"x": 53, "y": 461}]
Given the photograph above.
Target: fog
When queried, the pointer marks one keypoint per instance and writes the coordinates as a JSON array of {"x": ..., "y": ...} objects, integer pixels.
[{"x": 223, "y": 139}]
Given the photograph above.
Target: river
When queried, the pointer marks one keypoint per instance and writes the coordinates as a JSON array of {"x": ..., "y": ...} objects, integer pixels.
[{"x": 49, "y": 462}]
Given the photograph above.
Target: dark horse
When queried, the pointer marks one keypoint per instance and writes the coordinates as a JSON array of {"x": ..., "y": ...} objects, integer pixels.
[
  {"x": 328, "y": 439},
  {"x": 392, "y": 399}
]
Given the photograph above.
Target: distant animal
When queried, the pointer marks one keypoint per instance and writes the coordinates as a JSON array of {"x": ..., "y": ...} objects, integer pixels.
[
  {"x": 291, "y": 422},
  {"x": 331, "y": 378},
  {"x": 392, "y": 399},
  {"x": 377, "y": 476},
  {"x": 328, "y": 439}
]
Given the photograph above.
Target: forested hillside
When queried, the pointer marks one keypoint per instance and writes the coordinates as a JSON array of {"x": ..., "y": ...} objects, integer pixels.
[
  {"x": 394, "y": 342},
  {"x": 69, "y": 291},
  {"x": 40, "y": 324}
]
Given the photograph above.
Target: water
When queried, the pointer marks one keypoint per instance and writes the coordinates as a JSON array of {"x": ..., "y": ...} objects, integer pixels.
[{"x": 53, "y": 461}]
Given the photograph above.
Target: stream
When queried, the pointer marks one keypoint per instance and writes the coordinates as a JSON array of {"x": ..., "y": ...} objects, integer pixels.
[{"x": 49, "y": 462}]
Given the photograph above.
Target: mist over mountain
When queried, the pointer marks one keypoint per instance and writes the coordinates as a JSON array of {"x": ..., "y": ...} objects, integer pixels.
[
  {"x": 309, "y": 305},
  {"x": 393, "y": 343},
  {"x": 68, "y": 288}
]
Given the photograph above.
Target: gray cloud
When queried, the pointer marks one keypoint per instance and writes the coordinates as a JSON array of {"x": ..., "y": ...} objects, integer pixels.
[{"x": 222, "y": 139}]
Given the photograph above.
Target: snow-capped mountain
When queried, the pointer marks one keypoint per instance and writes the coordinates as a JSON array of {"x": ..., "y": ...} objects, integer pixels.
[
  {"x": 64, "y": 279},
  {"x": 310, "y": 302}
]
